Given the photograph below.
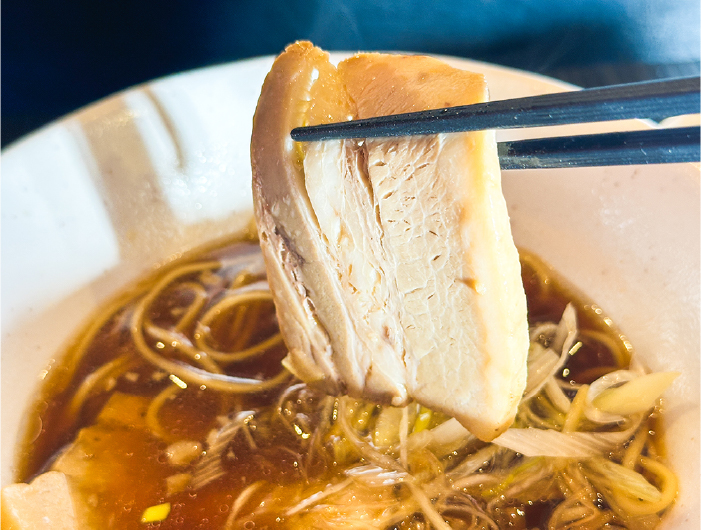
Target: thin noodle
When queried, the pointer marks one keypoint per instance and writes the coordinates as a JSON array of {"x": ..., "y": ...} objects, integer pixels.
[
  {"x": 240, "y": 501},
  {"x": 316, "y": 497},
  {"x": 578, "y": 502},
  {"x": 544, "y": 412},
  {"x": 635, "y": 448},
  {"x": 544, "y": 472},
  {"x": 154, "y": 408},
  {"x": 427, "y": 507},
  {"x": 240, "y": 280},
  {"x": 281, "y": 402},
  {"x": 182, "y": 344},
  {"x": 619, "y": 352},
  {"x": 472, "y": 463},
  {"x": 668, "y": 487},
  {"x": 236, "y": 327},
  {"x": 480, "y": 480},
  {"x": 471, "y": 510},
  {"x": 113, "y": 368},
  {"x": 240, "y": 318},
  {"x": 209, "y": 468},
  {"x": 222, "y": 382},
  {"x": 397, "y": 517},
  {"x": 533, "y": 419},
  {"x": 253, "y": 312},
  {"x": 216, "y": 310},
  {"x": 194, "y": 308},
  {"x": 249, "y": 436},
  {"x": 576, "y": 412},
  {"x": 556, "y": 396},
  {"x": 72, "y": 361},
  {"x": 316, "y": 441},
  {"x": 241, "y": 355},
  {"x": 540, "y": 271},
  {"x": 403, "y": 435},
  {"x": 595, "y": 372}
]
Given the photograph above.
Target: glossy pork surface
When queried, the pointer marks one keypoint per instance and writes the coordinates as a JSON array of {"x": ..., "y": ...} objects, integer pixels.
[{"x": 391, "y": 260}]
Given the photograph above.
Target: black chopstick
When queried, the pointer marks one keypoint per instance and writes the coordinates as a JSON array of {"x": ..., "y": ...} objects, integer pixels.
[
  {"x": 650, "y": 99},
  {"x": 654, "y": 146}
]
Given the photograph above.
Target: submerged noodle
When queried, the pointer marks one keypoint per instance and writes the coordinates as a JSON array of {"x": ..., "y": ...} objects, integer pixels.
[
  {"x": 212, "y": 375},
  {"x": 273, "y": 451}
]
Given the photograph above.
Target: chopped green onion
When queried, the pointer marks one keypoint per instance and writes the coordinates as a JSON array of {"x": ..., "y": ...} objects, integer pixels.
[
  {"x": 154, "y": 514},
  {"x": 423, "y": 420}
]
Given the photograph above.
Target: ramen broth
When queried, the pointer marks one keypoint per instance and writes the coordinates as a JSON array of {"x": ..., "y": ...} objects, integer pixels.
[{"x": 215, "y": 452}]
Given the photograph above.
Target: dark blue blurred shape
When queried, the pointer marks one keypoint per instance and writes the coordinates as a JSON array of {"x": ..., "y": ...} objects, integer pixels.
[{"x": 60, "y": 55}]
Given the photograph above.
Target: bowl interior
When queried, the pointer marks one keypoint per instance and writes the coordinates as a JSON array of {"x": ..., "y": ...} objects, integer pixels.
[{"x": 92, "y": 202}]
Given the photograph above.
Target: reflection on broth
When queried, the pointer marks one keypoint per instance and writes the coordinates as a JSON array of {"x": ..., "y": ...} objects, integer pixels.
[{"x": 173, "y": 408}]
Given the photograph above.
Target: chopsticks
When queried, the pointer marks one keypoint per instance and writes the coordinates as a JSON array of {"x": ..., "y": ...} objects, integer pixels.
[
  {"x": 656, "y": 146},
  {"x": 673, "y": 97},
  {"x": 665, "y": 98}
]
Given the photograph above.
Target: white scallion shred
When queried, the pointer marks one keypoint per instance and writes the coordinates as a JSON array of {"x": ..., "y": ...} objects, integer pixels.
[
  {"x": 623, "y": 479},
  {"x": 557, "y": 396},
  {"x": 637, "y": 395},
  {"x": 387, "y": 427},
  {"x": 442, "y": 439},
  {"x": 548, "y": 442},
  {"x": 543, "y": 363}
]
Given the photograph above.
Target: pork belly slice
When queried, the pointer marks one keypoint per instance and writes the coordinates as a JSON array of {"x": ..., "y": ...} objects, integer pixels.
[{"x": 391, "y": 261}]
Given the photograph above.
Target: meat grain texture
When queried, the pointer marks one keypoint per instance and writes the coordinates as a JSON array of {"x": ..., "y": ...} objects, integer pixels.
[{"x": 391, "y": 260}]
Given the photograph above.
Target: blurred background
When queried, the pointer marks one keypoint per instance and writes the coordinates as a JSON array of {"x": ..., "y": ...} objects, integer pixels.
[{"x": 60, "y": 55}]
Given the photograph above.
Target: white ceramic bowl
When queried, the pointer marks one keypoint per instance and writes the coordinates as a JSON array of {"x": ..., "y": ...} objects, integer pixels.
[{"x": 95, "y": 200}]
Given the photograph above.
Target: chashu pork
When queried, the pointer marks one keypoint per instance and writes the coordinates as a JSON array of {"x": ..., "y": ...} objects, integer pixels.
[{"x": 391, "y": 261}]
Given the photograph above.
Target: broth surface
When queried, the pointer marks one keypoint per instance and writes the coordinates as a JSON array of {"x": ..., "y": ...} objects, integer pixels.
[{"x": 135, "y": 435}]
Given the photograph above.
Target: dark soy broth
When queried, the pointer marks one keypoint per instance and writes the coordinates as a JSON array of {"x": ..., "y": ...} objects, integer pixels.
[{"x": 126, "y": 467}]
